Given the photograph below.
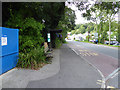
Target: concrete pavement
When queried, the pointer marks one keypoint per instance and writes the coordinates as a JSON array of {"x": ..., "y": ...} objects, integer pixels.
[
  {"x": 68, "y": 70},
  {"x": 19, "y": 78},
  {"x": 74, "y": 73}
]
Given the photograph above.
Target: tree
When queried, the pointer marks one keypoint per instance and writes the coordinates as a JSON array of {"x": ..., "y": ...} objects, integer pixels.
[
  {"x": 73, "y": 32},
  {"x": 33, "y": 19},
  {"x": 82, "y": 29},
  {"x": 109, "y": 8},
  {"x": 67, "y": 23}
]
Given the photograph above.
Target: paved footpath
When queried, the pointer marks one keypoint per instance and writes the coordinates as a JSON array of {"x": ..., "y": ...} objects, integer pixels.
[
  {"x": 74, "y": 73},
  {"x": 19, "y": 78}
]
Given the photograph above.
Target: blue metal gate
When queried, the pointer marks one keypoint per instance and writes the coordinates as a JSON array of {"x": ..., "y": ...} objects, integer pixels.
[{"x": 9, "y": 45}]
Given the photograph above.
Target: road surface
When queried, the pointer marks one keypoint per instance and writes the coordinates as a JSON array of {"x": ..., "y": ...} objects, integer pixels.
[
  {"x": 104, "y": 58},
  {"x": 110, "y": 51},
  {"x": 83, "y": 65},
  {"x": 74, "y": 73}
]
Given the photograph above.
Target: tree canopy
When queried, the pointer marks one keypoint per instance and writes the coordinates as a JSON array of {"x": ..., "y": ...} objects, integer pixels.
[
  {"x": 100, "y": 13},
  {"x": 34, "y": 19}
]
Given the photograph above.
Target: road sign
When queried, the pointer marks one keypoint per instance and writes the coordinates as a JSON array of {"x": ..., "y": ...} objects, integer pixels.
[
  {"x": 48, "y": 39},
  {"x": 48, "y": 35}
]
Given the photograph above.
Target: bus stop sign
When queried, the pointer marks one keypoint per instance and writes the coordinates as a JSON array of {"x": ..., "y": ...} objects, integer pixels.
[{"x": 48, "y": 35}]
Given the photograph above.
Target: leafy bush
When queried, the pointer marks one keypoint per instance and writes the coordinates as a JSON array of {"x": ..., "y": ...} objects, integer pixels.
[
  {"x": 87, "y": 38},
  {"x": 32, "y": 60},
  {"x": 58, "y": 43},
  {"x": 31, "y": 52},
  {"x": 63, "y": 41}
]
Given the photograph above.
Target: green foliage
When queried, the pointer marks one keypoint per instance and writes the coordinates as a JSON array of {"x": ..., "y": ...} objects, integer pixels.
[
  {"x": 50, "y": 12},
  {"x": 73, "y": 32},
  {"x": 100, "y": 13},
  {"x": 33, "y": 19},
  {"x": 87, "y": 37},
  {"x": 118, "y": 34},
  {"x": 67, "y": 22},
  {"x": 30, "y": 41},
  {"x": 31, "y": 60},
  {"x": 58, "y": 43},
  {"x": 82, "y": 28},
  {"x": 77, "y": 31}
]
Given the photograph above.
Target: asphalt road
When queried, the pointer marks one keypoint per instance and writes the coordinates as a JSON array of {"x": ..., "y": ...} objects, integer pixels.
[
  {"x": 105, "y": 59},
  {"x": 74, "y": 72},
  {"x": 113, "y": 52}
]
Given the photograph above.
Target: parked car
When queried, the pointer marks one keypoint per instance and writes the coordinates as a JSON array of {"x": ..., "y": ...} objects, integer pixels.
[
  {"x": 117, "y": 44},
  {"x": 111, "y": 42},
  {"x": 91, "y": 40},
  {"x": 106, "y": 42},
  {"x": 114, "y": 42},
  {"x": 69, "y": 38}
]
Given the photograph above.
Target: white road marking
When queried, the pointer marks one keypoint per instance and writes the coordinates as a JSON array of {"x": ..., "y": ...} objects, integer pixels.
[
  {"x": 110, "y": 87},
  {"x": 113, "y": 73},
  {"x": 95, "y": 54},
  {"x": 100, "y": 81},
  {"x": 74, "y": 51},
  {"x": 103, "y": 78}
]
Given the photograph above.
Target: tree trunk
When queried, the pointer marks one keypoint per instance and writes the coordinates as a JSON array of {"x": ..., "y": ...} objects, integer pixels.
[
  {"x": 88, "y": 33},
  {"x": 96, "y": 30},
  {"x": 109, "y": 31},
  {"x": 99, "y": 33},
  {"x": 96, "y": 26}
]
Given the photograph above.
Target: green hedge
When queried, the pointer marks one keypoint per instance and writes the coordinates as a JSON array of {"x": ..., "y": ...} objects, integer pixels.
[
  {"x": 58, "y": 43},
  {"x": 31, "y": 51},
  {"x": 33, "y": 59}
]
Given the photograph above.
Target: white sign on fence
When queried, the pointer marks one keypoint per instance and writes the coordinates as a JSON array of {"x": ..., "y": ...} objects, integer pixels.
[{"x": 3, "y": 41}]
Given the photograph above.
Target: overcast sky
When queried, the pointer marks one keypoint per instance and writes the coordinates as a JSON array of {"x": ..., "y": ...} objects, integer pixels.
[{"x": 79, "y": 18}]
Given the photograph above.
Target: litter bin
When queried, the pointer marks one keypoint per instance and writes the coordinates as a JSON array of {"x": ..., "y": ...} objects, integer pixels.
[{"x": 9, "y": 45}]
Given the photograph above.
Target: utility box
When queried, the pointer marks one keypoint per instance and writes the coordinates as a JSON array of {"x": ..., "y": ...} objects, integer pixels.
[{"x": 9, "y": 48}]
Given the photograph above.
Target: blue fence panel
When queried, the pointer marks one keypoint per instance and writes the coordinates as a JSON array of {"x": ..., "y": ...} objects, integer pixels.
[
  {"x": 10, "y": 48},
  {"x": 0, "y": 51}
]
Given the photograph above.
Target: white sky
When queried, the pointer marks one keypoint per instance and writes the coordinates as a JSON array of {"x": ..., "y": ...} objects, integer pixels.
[{"x": 79, "y": 18}]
